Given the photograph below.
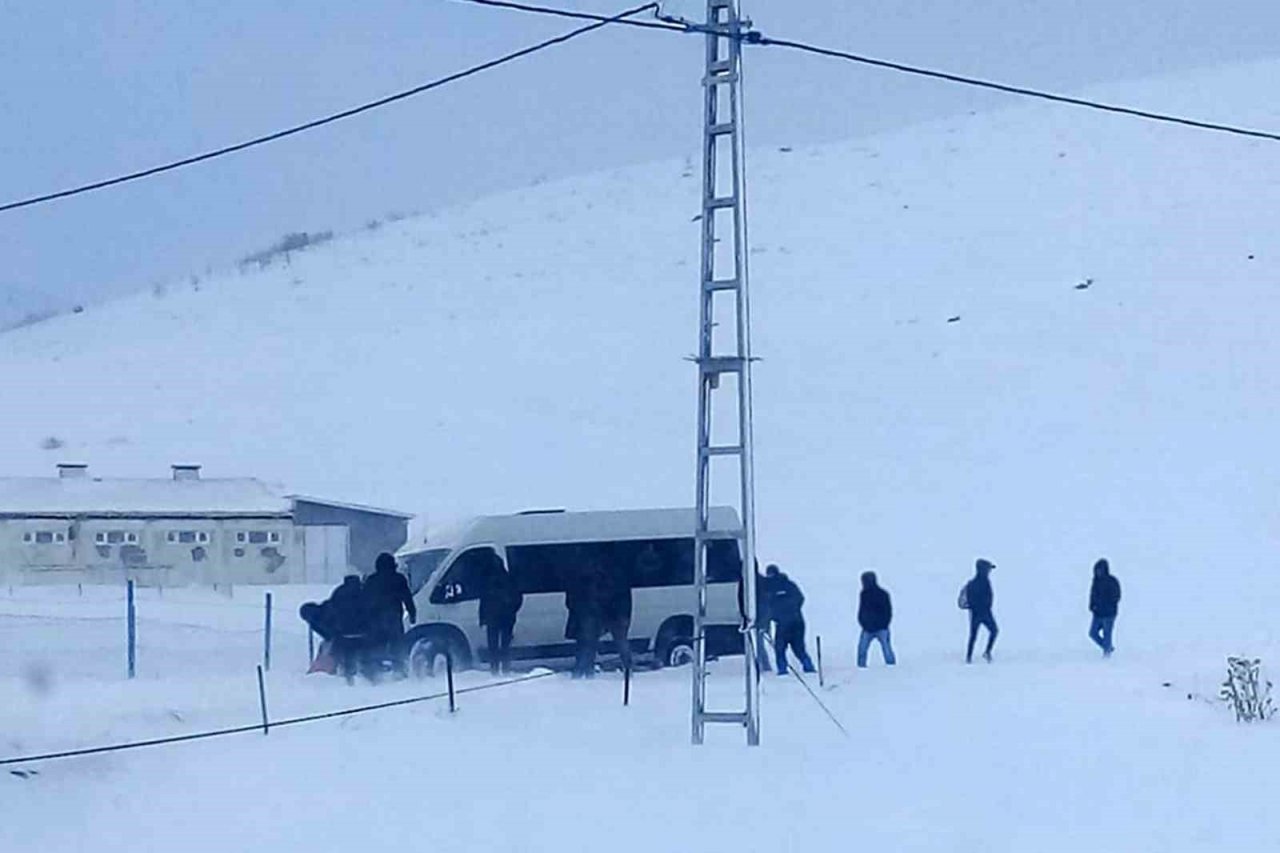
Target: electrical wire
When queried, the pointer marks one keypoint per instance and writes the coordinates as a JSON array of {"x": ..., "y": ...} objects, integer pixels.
[
  {"x": 755, "y": 37},
  {"x": 823, "y": 705},
  {"x": 329, "y": 119},
  {"x": 1168, "y": 118},
  {"x": 667, "y": 24},
  {"x": 555, "y": 12}
]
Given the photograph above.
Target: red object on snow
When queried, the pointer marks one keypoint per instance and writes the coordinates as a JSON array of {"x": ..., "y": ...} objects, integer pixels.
[{"x": 325, "y": 661}]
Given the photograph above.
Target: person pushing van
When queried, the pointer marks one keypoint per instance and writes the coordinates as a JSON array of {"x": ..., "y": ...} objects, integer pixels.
[
  {"x": 615, "y": 611},
  {"x": 785, "y": 602},
  {"x": 499, "y": 603},
  {"x": 387, "y": 595},
  {"x": 582, "y": 597}
]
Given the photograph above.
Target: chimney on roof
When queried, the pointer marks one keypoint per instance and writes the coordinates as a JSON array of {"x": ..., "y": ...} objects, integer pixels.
[
  {"x": 186, "y": 472},
  {"x": 72, "y": 470}
]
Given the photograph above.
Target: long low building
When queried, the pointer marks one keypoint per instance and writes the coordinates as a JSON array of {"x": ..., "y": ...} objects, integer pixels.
[{"x": 181, "y": 530}]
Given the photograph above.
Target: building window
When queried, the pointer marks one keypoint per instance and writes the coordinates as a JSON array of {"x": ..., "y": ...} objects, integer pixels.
[
  {"x": 116, "y": 537},
  {"x": 44, "y": 537},
  {"x": 258, "y": 537},
  {"x": 187, "y": 537}
]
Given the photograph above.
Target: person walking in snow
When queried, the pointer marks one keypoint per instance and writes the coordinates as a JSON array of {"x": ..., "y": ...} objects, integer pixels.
[
  {"x": 786, "y": 603},
  {"x": 978, "y": 598},
  {"x": 388, "y": 598},
  {"x": 875, "y": 612},
  {"x": 1104, "y": 604},
  {"x": 500, "y": 601}
]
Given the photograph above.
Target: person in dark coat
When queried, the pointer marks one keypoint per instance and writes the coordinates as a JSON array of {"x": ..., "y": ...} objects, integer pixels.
[
  {"x": 582, "y": 597},
  {"x": 345, "y": 617},
  {"x": 1104, "y": 604},
  {"x": 875, "y": 612},
  {"x": 979, "y": 598},
  {"x": 786, "y": 603},
  {"x": 388, "y": 598},
  {"x": 762, "y": 618},
  {"x": 500, "y": 601},
  {"x": 615, "y": 610}
]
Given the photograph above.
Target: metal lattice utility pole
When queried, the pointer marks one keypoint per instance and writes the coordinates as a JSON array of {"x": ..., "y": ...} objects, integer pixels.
[{"x": 724, "y": 350}]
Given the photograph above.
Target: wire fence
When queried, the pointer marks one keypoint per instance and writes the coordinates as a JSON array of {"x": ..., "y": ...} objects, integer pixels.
[
  {"x": 166, "y": 633},
  {"x": 263, "y": 726}
]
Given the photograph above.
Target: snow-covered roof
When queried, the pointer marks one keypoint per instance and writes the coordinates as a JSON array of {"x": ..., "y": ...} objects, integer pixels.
[
  {"x": 85, "y": 496},
  {"x": 561, "y": 526},
  {"x": 373, "y": 510}
]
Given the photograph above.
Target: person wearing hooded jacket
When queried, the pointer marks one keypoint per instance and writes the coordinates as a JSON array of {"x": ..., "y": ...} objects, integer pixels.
[
  {"x": 1104, "y": 604},
  {"x": 785, "y": 603},
  {"x": 387, "y": 596},
  {"x": 345, "y": 625},
  {"x": 979, "y": 598},
  {"x": 875, "y": 612}
]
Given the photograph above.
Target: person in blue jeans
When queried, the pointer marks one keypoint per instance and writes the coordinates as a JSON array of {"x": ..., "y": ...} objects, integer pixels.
[
  {"x": 979, "y": 598},
  {"x": 1104, "y": 604},
  {"x": 875, "y": 612},
  {"x": 785, "y": 602}
]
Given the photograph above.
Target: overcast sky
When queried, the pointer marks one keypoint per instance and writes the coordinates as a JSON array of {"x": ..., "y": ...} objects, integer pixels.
[{"x": 96, "y": 87}]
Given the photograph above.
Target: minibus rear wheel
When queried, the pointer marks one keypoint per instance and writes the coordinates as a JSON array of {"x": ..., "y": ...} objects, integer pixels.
[{"x": 678, "y": 652}]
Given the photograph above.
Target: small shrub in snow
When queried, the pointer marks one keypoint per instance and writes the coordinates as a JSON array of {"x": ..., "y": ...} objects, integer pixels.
[
  {"x": 30, "y": 319},
  {"x": 1246, "y": 691},
  {"x": 52, "y": 443},
  {"x": 291, "y": 242}
]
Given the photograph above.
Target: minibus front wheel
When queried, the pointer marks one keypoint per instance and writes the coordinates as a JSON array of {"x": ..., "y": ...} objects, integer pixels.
[{"x": 430, "y": 650}]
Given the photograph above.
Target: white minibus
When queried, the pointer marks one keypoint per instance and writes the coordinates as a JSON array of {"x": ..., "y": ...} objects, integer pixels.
[{"x": 653, "y": 549}]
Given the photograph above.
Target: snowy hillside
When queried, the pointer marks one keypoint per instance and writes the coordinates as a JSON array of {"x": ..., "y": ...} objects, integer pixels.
[{"x": 527, "y": 351}]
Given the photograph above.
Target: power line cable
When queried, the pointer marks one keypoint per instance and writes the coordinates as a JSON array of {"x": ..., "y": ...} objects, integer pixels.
[
  {"x": 329, "y": 119},
  {"x": 823, "y": 705},
  {"x": 1017, "y": 90},
  {"x": 556, "y": 12},
  {"x": 757, "y": 38}
]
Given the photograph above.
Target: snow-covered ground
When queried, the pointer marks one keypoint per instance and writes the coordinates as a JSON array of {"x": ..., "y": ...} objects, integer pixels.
[
  {"x": 1046, "y": 750},
  {"x": 527, "y": 351}
]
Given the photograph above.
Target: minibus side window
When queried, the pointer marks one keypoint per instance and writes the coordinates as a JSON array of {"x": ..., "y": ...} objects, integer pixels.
[
  {"x": 654, "y": 562},
  {"x": 542, "y": 568},
  {"x": 724, "y": 561},
  {"x": 465, "y": 579}
]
